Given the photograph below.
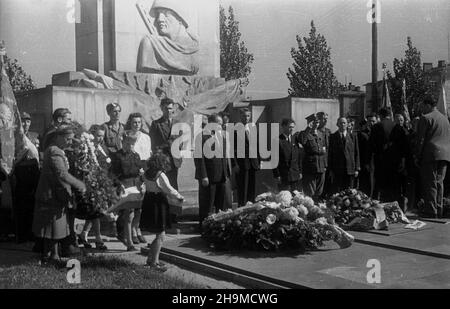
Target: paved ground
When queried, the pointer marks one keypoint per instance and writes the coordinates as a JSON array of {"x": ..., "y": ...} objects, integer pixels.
[{"x": 419, "y": 259}]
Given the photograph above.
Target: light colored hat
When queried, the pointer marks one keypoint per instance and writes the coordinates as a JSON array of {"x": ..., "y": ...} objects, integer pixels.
[{"x": 177, "y": 6}]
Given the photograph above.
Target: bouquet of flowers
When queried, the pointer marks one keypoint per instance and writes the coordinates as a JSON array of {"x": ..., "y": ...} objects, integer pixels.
[
  {"x": 275, "y": 222},
  {"x": 100, "y": 193},
  {"x": 354, "y": 210}
]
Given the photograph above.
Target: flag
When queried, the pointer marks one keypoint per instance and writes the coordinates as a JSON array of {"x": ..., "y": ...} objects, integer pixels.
[
  {"x": 11, "y": 133},
  {"x": 386, "y": 99},
  {"x": 404, "y": 104},
  {"x": 442, "y": 102}
]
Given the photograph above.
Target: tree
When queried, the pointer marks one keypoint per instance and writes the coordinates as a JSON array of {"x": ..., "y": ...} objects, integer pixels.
[
  {"x": 19, "y": 79},
  {"x": 418, "y": 84},
  {"x": 235, "y": 60},
  {"x": 312, "y": 74}
]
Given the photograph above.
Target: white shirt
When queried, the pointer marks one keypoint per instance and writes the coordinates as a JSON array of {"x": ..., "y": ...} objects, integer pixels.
[
  {"x": 143, "y": 146},
  {"x": 162, "y": 184}
]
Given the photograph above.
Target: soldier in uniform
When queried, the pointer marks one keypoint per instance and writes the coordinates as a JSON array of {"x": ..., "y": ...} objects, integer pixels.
[
  {"x": 26, "y": 176},
  {"x": 315, "y": 159}
]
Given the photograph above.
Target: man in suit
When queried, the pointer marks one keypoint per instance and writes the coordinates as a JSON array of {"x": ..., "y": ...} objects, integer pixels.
[
  {"x": 314, "y": 163},
  {"x": 246, "y": 164},
  {"x": 432, "y": 155},
  {"x": 381, "y": 151},
  {"x": 364, "y": 182},
  {"x": 26, "y": 176},
  {"x": 323, "y": 120},
  {"x": 343, "y": 157},
  {"x": 288, "y": 173},
  {"x": 400, "y": 153},
  {"x": 162, "y": 138},
  {"x": 213, "y": 170}
]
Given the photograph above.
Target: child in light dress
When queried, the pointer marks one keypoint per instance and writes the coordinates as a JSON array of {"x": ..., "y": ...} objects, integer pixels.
[{"x": 155, "y": 207}]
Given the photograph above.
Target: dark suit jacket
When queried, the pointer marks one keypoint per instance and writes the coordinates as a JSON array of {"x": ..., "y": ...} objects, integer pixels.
[
  {"x": 215, "y": 169},
  {"x": 289, "y": 165},
  {"x": 364, "y": 148},
  {"x": 379, "y": 138},
  {"x": 314, "y": 157},
  {"x": 433, "y": 138},
  {"x": 162, "y": 139},
  {"x": 246, "y": 162},
  {"x": 344, "y": 158}
]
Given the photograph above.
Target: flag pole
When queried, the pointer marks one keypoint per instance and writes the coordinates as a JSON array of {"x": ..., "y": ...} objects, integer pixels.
[{"x": 375, "y": 106}]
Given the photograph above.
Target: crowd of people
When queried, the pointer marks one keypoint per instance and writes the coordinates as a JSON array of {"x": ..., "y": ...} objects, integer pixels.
[
  {"x": 44, "y": 184},
  {"x": 388, "y": 159}
]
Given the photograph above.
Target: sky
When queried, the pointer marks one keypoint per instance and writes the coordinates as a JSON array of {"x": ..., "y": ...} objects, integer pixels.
[{"x": 269, "y": 30}]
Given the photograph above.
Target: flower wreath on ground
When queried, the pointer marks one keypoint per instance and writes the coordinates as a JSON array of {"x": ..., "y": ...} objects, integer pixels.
[
  {"x": 100, "y": 191},
  {"x": 354, "y": 210},
  {"x": 275, "y": 222}
]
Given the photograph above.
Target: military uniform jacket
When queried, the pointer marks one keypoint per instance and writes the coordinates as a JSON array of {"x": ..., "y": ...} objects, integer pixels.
[
  {"x": 113, "y": 137},
  {"x": 315, "y": 155}
]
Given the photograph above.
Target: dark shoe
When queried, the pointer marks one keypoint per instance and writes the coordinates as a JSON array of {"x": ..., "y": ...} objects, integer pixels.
[
  {"x": 135, "y": 240},
  {"x": 71, "y": 251},
  {"x": 142, "y": 239},
  {"x": 100, "y": 246},
  {"x": 83, "y": 242},
  {"x": 47, "y": 261},
  {"x": 131, "y": 249}
]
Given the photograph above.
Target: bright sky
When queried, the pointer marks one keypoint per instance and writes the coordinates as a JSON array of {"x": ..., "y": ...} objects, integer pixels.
[{"x": 269, "y": 29}]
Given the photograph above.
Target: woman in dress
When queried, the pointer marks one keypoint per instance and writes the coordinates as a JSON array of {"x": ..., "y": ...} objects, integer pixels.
[
  {"x": 143, "y": 148},
  {"x": 128, "y": 170},
  {"x": 54, "y": 194}
]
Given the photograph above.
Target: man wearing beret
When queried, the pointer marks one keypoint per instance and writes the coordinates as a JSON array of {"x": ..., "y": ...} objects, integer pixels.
[
  {"x": 114, "y": 129},
  {"x": 60, "y": 116},
  {"x": 315, "y": 159}
]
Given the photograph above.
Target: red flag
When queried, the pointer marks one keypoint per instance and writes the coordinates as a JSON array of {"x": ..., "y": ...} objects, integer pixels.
[
  {"x": 404, "y": 104},
  {"x": 386, "y": 99},
  {"x": 10, "y": 123}
]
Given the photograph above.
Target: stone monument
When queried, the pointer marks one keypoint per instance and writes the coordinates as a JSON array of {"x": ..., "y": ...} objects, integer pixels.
[{"x": 136, "y": 53}]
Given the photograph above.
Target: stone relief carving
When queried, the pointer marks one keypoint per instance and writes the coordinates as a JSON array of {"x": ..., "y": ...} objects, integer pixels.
[{"x": 170, "y": 47}]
